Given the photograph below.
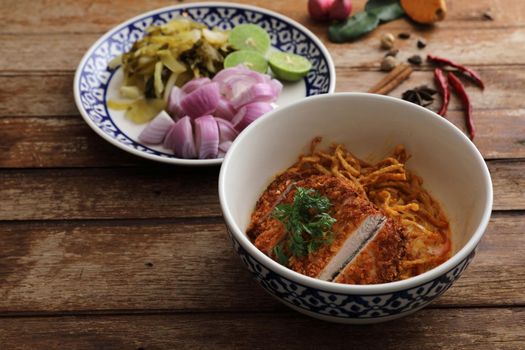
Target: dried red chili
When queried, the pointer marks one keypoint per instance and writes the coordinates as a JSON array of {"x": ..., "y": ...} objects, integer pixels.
[
  {"x": 475, "y": 76},
  {"x": 445, "y": 91},
  {"x": 462, "y": 93}
]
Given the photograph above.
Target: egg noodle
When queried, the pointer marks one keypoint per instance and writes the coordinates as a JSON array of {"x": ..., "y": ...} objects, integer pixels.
[{"x": 395, "y": 190}]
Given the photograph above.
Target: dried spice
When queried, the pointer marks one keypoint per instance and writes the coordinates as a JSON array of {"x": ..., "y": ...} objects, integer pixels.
[
  {"x": 403, "y": 35},
  {"x": 421, "y": 43},
  {"x": 442, "y": 82},
  {"x": 465, "y": 100},
  {"x": 416, "y": 60},
  {"x": 392, "y": 53},
  {"x": 487, "y": 15},
  {"x": 421, "y": 95},
  {"x": 387, "y": 41},
  {"x": 458, "y": 87},
  {"x": 392, "y": 80},
  {"x": 388, "y": 63},
  {"x": 469, "y": 72}
]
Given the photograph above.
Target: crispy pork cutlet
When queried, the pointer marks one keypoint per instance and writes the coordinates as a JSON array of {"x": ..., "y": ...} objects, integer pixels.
[
  {"x": 378, "y": 261},
  {"x": 356, "y": 220},
  {"x": 272, "y": 196}
]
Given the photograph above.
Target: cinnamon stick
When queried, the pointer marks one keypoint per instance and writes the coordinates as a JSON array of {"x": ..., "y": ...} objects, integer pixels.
[
  {"x": 395, "y": 82},
  {"x": 392, "y": 80},
  {"x": 387, "y": 78}
]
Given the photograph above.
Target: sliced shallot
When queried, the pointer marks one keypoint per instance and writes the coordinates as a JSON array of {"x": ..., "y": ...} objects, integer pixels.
[
  {"x": 156, "y": 130},
  {"x": 223, "y": 148},
  {"x": 194, "y": 84},
  {"x": 225, "y": 75},
  {"x": 226, "y": 130},
  {"x": 180, "y": 139},
  {"x": 206, "y": 137},
  {"x": 201, "y": 101},
  {"x": 224, "y": 110},
  {"x": 250, "y": 112},
  {"x": 277, "y": 87},
  {"x": 219, "y": 108},
  {"x": 260, "y": 92},
  {"x": 238, "y": 85},
  {"x": 233, "y": 81},
  {"x": 174, "y": 108}
]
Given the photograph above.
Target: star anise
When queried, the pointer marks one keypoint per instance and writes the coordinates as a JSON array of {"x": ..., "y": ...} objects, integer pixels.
[{"x": 421, "y": 95}]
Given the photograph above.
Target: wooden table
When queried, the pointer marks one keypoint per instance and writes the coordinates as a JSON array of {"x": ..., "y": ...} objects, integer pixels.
[{"x": 103, "y": 250}]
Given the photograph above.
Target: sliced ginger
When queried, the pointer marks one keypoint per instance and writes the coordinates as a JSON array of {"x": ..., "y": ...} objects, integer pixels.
[{"x": 425, "y": 11}]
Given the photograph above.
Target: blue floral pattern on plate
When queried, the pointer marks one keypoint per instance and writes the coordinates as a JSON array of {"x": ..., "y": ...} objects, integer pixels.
[
  {"x": 343, "y": 306},
  {"x": 93, "y": 75}
]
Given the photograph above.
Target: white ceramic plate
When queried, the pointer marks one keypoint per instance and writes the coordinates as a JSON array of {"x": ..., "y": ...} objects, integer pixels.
[{"x": 95, "y": 83}]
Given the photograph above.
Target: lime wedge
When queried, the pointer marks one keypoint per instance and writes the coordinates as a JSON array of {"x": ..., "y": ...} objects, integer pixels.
[
  {"x": 251, "y": 59},
  {"x": 249, "y": 37},
  {"x": 289, "y": 66}
]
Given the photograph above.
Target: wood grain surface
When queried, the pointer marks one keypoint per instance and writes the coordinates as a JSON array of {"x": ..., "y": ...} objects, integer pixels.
[
  {"x": 506, "y": 86},
  {"x": 423, "y": 330},
  {"x": 66, "y": 141},
  {"x": 61, "y": 52},
  {"x": 103, "y": 250},
  {"x": 159, "y": 265}
]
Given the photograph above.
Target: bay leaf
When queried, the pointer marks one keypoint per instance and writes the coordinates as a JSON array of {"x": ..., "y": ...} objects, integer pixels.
[
  {"x": 354, "y": 27},
  {"x": 385, "y": 10}
]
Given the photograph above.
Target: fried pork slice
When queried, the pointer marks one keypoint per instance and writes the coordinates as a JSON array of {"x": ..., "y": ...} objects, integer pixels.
[
  {"x": 351, "y": 246},
  {"x": 379, "y": 260},
  {"x": 356, "y": 220}
]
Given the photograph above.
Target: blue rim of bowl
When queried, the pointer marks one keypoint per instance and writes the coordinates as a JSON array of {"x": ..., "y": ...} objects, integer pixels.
[
  {"x": 372, "y": 289},
  {"x": 162, "y": 156}
]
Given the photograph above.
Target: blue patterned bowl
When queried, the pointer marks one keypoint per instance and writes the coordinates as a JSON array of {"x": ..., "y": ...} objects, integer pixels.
[
  {"x": 370, "y": 126},
  {"x": 95, "y": 82}
]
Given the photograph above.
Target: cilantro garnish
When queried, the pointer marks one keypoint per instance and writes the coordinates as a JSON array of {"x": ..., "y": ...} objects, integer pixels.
[{"x": 307, "y": 222}]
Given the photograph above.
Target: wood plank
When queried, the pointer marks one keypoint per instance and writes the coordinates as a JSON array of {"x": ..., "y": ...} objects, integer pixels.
[
  {"x": 497, "y": 266},
  {"x": 157, "y": 192},
  {"x": 509, "y": 190},
  {"x": 58, "y": 142},
  {"x": 162, "y": 191},
  {"x": 73, "y": 16},
  {"x": 144, "y": 265},
  {"x": 69, "y": 142},
  {"x": 62, "y": 52},
  {"x": 55, "y": 52},
  {"x": 25, "y": 95},
  {"x": 37, "y": 95},
  {"x": 137, "y": 265},
  {"x": 464, "y": 329}
]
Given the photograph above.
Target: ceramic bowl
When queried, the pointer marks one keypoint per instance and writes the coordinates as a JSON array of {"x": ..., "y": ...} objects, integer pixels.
[{"x": 370, "y": 126}]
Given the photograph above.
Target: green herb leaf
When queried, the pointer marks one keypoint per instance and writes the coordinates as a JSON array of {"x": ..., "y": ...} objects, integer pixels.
[
  {"x": 353, "y": 28},
  {"x": 385, "y": 10},
  {"x": 279, "y": 253},
  {"x": 373, "y": 4},
  {"x": 376, "y": 11},
  {"x": 307, "y": 222}
]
